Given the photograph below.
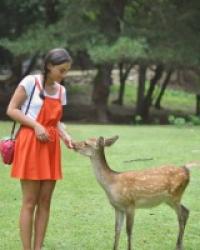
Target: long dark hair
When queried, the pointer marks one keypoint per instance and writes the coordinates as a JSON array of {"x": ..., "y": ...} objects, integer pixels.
[{"x": 54, "y": 57}]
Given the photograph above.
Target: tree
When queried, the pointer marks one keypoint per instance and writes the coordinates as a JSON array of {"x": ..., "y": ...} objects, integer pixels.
[
  {"x": 164, "y": 24},
  {"x": 158, "y": 33},
  {"x": 26, "y": 33},
  {"x": 163, "y": 88}
]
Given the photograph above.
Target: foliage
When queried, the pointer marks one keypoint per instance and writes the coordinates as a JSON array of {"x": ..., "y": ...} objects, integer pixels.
[
  {"x": 162, "y": 33},
  {"x": 194, "y": 120},
  {"x": 170, "y": 29},
  {"x": 35, "y": 39},
  {"x": 137, "y": 119},
  {"x": 179, "y": 121},
  {"x": 16, "y": 16},
  {"x": 27, "y": 31},
  {"x": 171, "y": 119},
  {"x": 146, "y": 29},
  {"x": 123, "y": 50}
]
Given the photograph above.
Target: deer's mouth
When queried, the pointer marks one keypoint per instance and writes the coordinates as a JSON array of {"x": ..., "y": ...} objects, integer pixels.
[{"x": 76, "y": 147}]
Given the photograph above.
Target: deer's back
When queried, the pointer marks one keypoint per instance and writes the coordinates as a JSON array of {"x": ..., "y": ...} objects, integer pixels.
[{"x": 150, "y": 187}]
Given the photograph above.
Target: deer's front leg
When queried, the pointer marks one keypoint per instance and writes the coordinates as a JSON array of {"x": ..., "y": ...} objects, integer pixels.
[
  {"x": 129, "y": 225},
  {"x": 119, "y": 219}
]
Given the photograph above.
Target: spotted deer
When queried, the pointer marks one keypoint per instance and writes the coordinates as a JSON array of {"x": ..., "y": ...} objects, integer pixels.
[{"x": 129, "y": 190}]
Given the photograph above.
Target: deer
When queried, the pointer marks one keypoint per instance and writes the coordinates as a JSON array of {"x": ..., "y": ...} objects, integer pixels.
[{"x": 130, "y": 190}]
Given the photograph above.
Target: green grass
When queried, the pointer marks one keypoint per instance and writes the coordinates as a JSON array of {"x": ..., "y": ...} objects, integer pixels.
[{"x": 82, "y": 218}]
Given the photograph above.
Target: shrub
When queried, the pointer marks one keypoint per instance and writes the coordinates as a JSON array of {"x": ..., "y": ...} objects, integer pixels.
[
  {"x": 138, "y": 119},
  {"x": 171, "y": 119},
  {"x": 179, "y": 121},
  {"x": 194, "y": 120}
]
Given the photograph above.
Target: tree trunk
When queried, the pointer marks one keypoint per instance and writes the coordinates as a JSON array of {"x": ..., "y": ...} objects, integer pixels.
[
  {"x": 197, "y": 104},
  {"x": 101, "y": 91},
  {"x": 141, "y": 89},
  {"x": 113, "y": 12},
  {"x": 8, "y": 85},
  {"x": 162, "y": 91},
  {"x": 50, "y": 11},
  {"x": 16, "y": 69},
  {"x": 31, "y": 65},
  {"x": 148, "y": 98},
  {"x": 123, "y": 75}
]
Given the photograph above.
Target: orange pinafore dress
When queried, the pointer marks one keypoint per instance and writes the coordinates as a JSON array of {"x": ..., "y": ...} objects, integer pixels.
[{"x": 36, "y": 160}]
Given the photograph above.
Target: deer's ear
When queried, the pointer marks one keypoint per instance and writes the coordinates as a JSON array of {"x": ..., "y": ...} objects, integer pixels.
[
  {"x": 100, "y": 141},
  {"x": 110, "y": 141}
]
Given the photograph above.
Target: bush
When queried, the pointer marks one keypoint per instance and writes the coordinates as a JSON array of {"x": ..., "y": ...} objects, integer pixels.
[
  {"x": 171, "y": 119},
  {"x": 138, "y": 119},
  {"x": 177, "y": 121},
  {"x": 194, "y": 120}
]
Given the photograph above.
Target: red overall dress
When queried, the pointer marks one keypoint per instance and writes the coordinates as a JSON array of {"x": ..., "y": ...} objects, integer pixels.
[{"x": 36, "y": 160}]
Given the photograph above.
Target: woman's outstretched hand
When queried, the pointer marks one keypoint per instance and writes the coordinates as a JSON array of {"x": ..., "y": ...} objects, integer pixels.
[
  {"x": 68, "y": 142},
  {"x": 66, "y": 138}
]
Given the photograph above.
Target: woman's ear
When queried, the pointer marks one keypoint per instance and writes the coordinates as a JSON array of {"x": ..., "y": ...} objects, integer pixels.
[{"x": 49, "y": 67}]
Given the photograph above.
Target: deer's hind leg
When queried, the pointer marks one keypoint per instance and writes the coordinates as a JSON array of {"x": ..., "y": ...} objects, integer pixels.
[{"x": 182, "y": 215}]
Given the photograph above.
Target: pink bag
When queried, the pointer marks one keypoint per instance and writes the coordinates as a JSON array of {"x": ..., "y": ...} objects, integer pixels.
[{"x": 7, "y": 147}]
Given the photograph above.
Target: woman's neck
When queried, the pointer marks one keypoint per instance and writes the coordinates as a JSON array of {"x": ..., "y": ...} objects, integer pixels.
[{"x": 48, "y": 81}]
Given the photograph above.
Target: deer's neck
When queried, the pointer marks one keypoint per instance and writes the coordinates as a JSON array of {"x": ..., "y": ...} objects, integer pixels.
[{"x": 103, "y": 173}]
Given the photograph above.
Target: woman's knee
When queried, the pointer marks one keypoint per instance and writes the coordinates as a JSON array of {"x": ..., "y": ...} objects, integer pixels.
[
  {"x": 44, "y": 202},
  {"x": 30, "y": 203},
  {"x": 46, "y": 192}
]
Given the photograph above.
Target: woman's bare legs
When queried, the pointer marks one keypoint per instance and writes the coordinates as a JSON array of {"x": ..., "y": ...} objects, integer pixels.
[
  {"x": 42, "y": 212},
  {"x": 30, "y": 191}
]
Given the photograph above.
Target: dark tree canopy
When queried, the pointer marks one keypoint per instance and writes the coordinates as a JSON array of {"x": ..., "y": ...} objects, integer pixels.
[{"x": 162, "y": 33}]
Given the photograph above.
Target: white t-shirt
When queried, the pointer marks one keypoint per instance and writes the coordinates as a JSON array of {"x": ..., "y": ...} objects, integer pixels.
[{"x": 36, "y": 103}]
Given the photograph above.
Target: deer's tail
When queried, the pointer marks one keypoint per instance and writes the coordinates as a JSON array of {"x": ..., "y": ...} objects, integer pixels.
[{"x": 190, "y": 165}]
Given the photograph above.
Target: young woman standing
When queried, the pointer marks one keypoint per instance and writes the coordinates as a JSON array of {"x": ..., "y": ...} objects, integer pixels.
[{"x": 37, "y": 159}]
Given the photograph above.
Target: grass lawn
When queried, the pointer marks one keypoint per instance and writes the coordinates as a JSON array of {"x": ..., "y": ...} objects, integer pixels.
[{"x": 82, "y": 218}]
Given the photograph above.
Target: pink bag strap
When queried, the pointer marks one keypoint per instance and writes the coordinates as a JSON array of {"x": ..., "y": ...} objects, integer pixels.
[{"x": 27, "y": 108}]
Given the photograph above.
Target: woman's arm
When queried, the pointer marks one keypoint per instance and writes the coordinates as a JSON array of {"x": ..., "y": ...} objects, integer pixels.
[
  {"x": 64, "y": 135},
  {"x": 16, "y": 114}
]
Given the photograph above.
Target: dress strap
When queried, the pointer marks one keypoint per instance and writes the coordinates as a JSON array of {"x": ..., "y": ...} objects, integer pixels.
[
  {"x": 38, "y": 84},
  {"x": 60, "y": 93}
]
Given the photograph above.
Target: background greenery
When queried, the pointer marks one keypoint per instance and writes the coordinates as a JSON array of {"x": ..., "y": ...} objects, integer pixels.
[
  {"x": 157, "y": 36},
  {"x": 174, "y": 99},
  {"x": 81, "y": 217}
]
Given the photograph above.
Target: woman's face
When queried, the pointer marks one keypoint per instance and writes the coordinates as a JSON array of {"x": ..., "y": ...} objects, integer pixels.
[{"x": 58, "y": 72}]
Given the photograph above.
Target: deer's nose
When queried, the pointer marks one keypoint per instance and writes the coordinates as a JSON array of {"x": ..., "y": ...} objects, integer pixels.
[{"x": 76, "y": 146}]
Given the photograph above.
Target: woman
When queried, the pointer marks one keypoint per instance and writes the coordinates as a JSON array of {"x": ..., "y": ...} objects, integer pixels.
[{"x": 37, "y": 151}]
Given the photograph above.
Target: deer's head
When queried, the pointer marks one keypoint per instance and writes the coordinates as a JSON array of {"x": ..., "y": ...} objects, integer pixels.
[{"x": 91, "y": 146}]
